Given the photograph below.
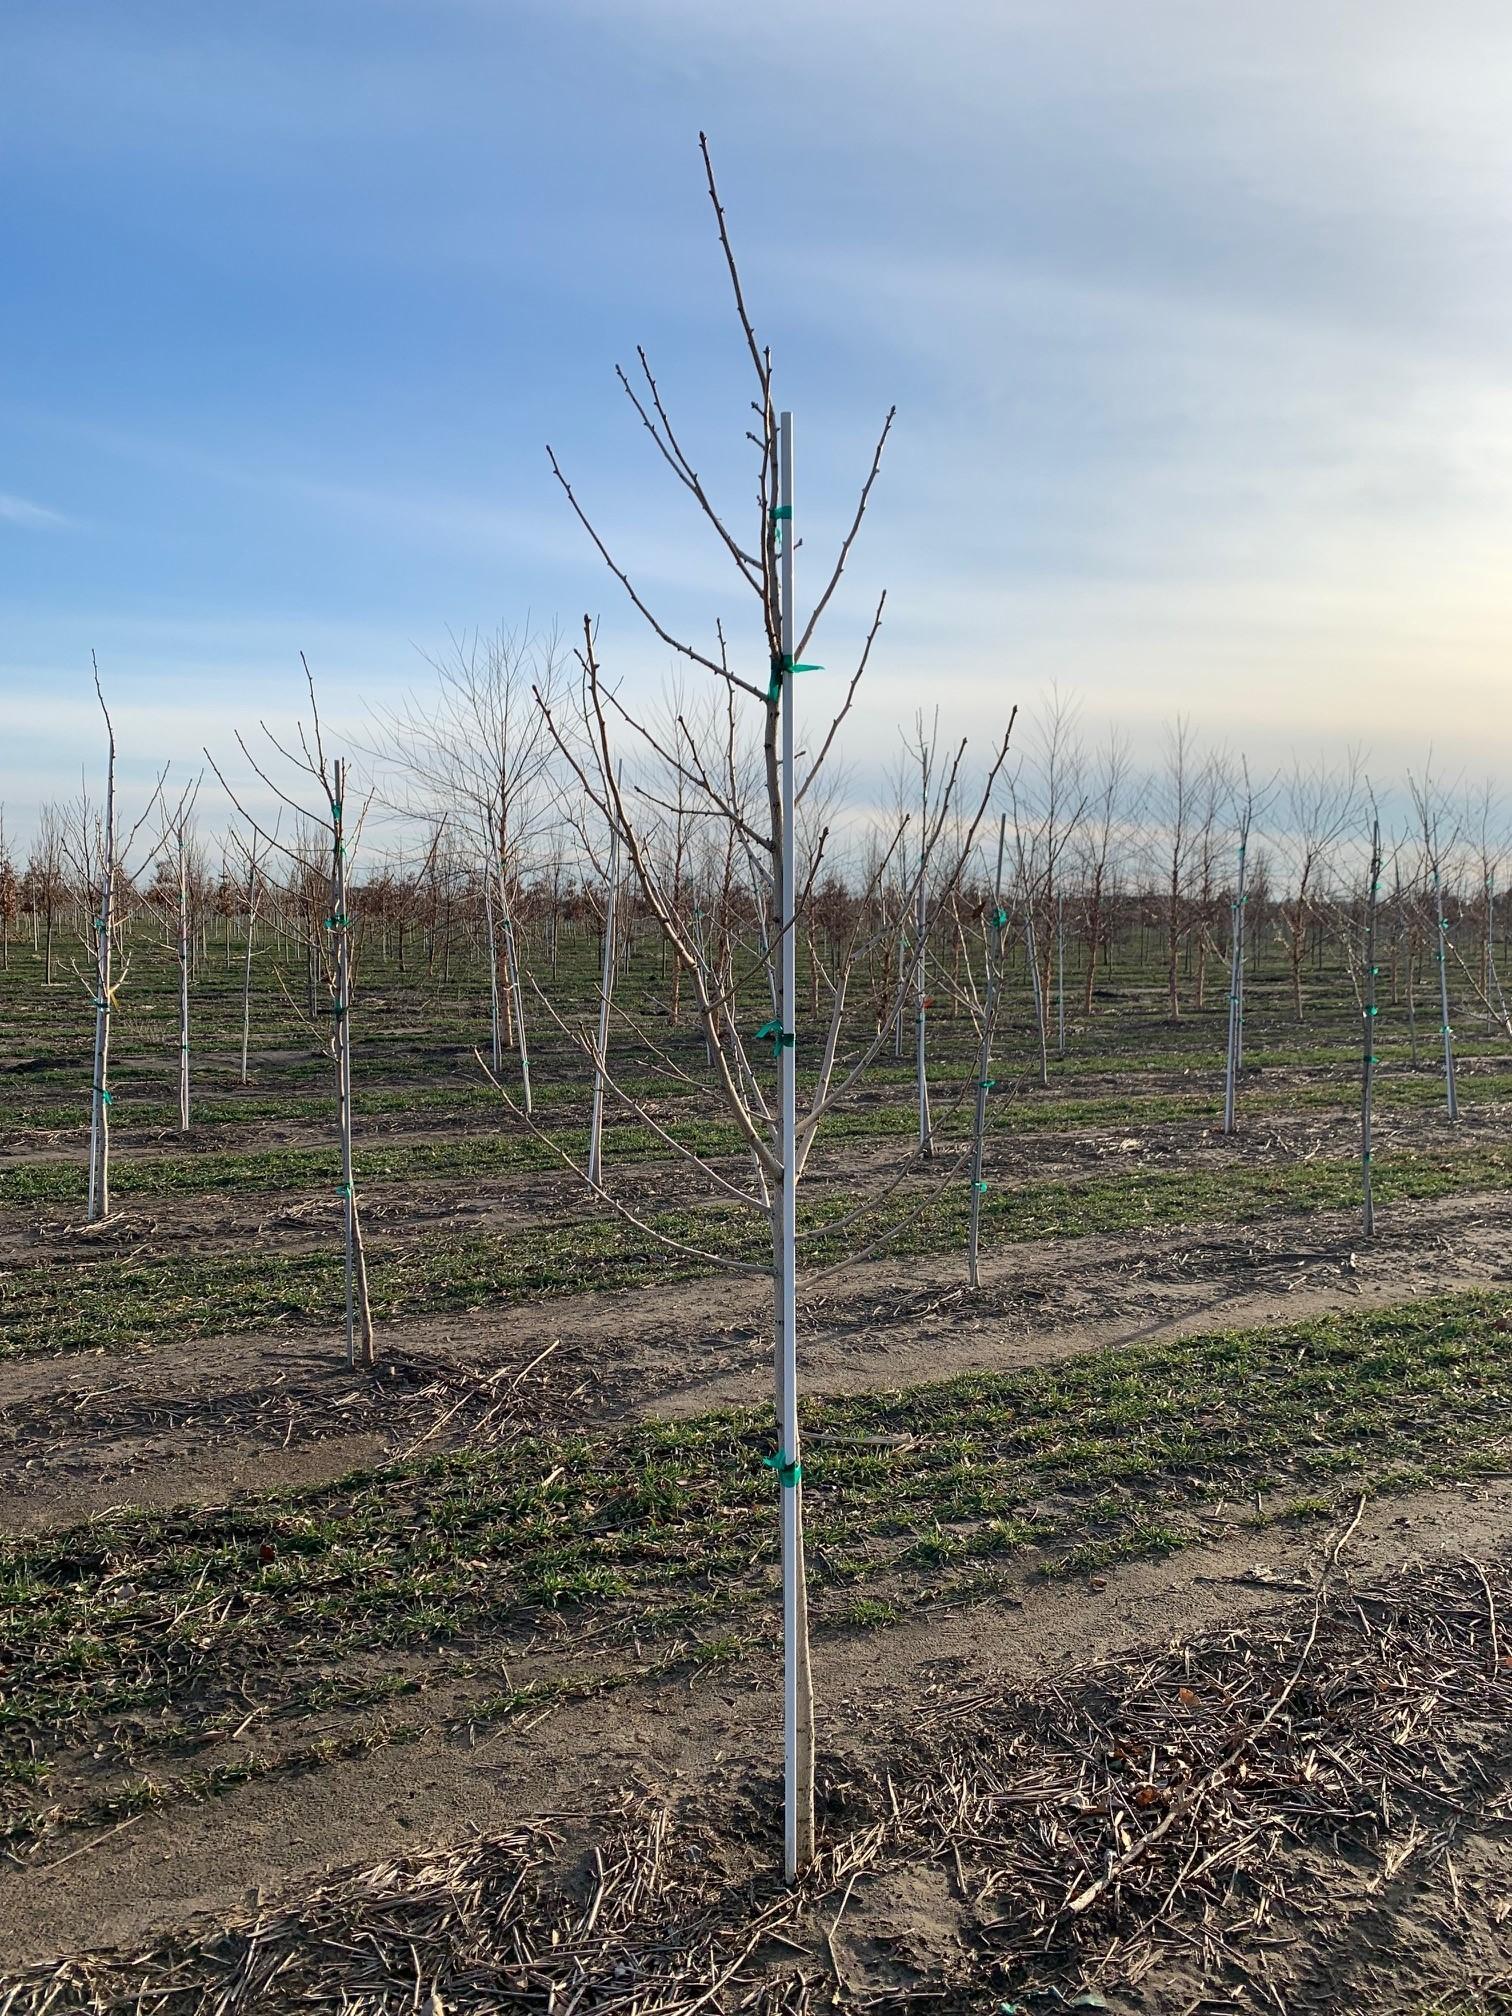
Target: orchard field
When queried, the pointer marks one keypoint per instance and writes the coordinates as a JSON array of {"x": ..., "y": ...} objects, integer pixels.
[{"x": 1160, "y": 1585}]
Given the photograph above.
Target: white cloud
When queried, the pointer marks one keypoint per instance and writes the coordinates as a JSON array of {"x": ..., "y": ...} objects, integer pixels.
[{"x": 33, "y": 517}]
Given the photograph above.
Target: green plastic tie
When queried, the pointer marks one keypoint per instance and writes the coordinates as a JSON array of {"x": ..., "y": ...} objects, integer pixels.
[
  {"x": 338, "y": 923},
  {"x": 335, "y": 808},
  {"x": 773, "y": 1032},
  {"x": 104, "y": 1095},
  {"x": 779, "y": 667},
  {"x": 1372, "y": 1009},
  {"x": 1000, "y": 918},
  {"x": 986, "y": 1084},
  {"x": 980, "y": 1188},
  {"x": 343, "y": 1189},
  {"x": 788, "y": 1474}
]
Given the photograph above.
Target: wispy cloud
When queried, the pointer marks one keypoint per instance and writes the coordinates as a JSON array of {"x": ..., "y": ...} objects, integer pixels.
[{"x": 34, "y": 517}]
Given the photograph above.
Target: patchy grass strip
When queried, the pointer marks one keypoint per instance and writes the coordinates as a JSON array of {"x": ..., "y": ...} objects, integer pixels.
[
  {"x": 138, "y": 1628},
  {"x": 110, "y": 1304}
]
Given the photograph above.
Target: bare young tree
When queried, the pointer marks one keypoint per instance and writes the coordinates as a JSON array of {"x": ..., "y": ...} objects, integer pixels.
[
  {"x": 1112, "y": 806},
  {"x": 1181, "y": 791},
  {"x": 45, "y": 882},
  {"x": 1425, "y": 798},
  {"x": 760, "y": 828},
  {"x": 319, "y": 860},
  {"x": 477, "y": 753},
  {"x": 180, "y": 872},
  {"x": 100, "y": 862},
  {"x": 254, "y": 885},
  {"x": 1318, "y": 804},
  {"x": 10, "y": 896}
]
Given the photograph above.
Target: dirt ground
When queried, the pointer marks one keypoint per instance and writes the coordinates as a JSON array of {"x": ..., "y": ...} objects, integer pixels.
[
  {"x": 198, "y": 1420},
  {"x": 700, "y": 1747},
  {"x": 207, "y": 1419},
  {"x": 202, "y": 1420}
]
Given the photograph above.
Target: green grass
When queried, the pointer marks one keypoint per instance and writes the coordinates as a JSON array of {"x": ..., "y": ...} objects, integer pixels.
[
  {"x": 666, "y": 1534},
  {"x": 122, "y": 1305}
]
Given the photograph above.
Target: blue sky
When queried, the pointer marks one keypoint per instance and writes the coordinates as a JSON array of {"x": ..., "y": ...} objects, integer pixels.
[{"x": 1197, "y": 319}]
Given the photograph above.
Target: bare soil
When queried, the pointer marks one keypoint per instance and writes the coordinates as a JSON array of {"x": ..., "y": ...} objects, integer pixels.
[
  {"x": 702, "y": 1745},
  {"x": 202, "y": 1419}
]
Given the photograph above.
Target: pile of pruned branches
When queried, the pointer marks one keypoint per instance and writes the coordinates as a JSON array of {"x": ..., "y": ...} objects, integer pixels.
[{"x": 1207, "y": 1812}]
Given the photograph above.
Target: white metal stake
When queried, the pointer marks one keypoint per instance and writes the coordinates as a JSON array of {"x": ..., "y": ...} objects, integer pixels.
[
  {"x": 921, "y": 1014},
  {"x": 183, "y": 956},
  {"x": 1031, "y": 948},
  {"x": 1368, "y": 1049},
  {"x": 341, "y": 1009},
  {"x": 99, "y": 1117},
  {"x": 797, "y": 1703},
  {"x": 1060, "y": 975},
  {"x": 1451, "y": 1096},
  {"x": 606, "y": 984},
  {"x": 495, "y": 1025},
  {"x": 993, "y": 944},
  {"x": 1243, "y": 970},
  {"x": 512, "y": 950},
  {"x": 1236, "y": 982}
]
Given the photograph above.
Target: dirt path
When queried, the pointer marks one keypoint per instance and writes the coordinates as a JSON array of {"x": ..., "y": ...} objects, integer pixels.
[{"x": 690, "y": 1742}]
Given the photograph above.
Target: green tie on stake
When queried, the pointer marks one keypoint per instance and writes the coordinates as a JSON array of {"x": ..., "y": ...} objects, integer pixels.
[
  {"x": 781, "y": 666},
  {"x": 780, "y": 1039}
]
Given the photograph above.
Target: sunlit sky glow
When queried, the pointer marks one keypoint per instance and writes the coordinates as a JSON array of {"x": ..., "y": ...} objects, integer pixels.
[{"x": 1197, "y": 319}]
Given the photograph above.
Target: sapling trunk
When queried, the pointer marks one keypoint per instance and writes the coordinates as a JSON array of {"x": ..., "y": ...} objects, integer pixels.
[
  {"x": 606, "y": 987},
  {"x": 898, "y": 1017},
  {"x": 99, "y": 1111},
  {"x": 1486, "y": 960},
  {"x": 246, "y": 1033},
  {"x": 921, "y": 1016},
  {"x": 183, "y": 959},
  {"x": 1368, "y": 1032},
  {"x": 1451, "y": 1095},
  {"x": 359, "y": 1315},
  {"x": 994, "y": 956},
  {"x": 1236, "y": 982},
  {"x": 798, "y": 1685},
  {"x": 1494, "y": 991},
  {"x": 495, "y": 1025},
  {"x": 1404, "y": 933},
  {"x": 1060, "y": 975},
  {"x": 514, "y": 998},
  {"x": 246, "y": 1001},
  {"x": 1032, "y": 957}
]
